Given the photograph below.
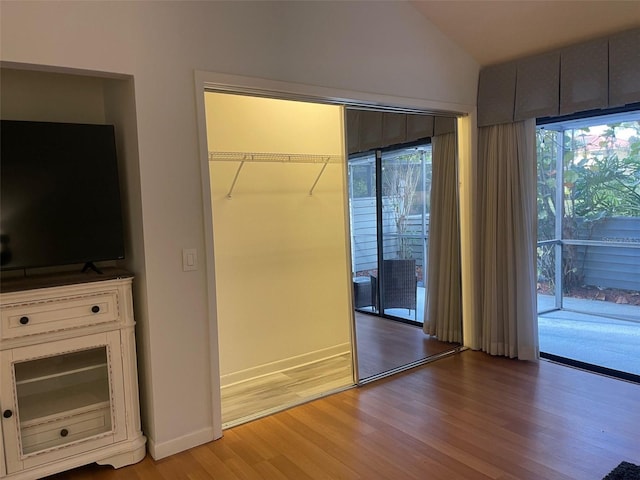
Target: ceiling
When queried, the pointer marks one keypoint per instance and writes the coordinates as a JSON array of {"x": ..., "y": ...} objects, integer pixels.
[{"x": 495, "y": 31}]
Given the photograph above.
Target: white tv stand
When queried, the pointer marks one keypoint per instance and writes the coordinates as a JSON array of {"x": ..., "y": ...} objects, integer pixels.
[{"x": 68, "y": 375}]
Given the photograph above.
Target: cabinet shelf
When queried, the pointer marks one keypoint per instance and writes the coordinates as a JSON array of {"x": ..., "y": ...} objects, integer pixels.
[
  {"x": 61, "y": 374},
  {"x": 38, "y": 407},
  {"x": 255, "y": 157},
  {"x": 60, "y": 365},
  {"x": 68, "y": 413}
]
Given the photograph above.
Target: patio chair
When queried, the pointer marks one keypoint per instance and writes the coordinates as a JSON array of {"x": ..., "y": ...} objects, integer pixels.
[{"x": 399, "y": 284}]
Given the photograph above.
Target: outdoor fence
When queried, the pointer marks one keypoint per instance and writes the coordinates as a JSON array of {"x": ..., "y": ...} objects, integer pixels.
[
  {"x": 364, "y": 236},
  {"x": 609, "y": 266},
  {"x": 613, "y": 263}
]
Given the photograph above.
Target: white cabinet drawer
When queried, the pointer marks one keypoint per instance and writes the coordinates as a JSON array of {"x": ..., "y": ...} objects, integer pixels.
[
  {"x": 81, "y": 426},
  {"x": 59, "y": 313}
]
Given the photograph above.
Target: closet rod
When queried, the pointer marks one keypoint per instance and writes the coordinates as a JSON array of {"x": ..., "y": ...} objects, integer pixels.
[
  {"x": 244, "y": 157},
  {"x": 272, "y": 157}
]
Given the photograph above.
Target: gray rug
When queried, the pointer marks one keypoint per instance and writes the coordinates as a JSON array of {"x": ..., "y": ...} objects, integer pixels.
[{"x": 624, "y": 471}]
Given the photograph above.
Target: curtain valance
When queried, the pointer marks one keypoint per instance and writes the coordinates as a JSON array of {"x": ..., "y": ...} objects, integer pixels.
[
  {"x": 601, "y": 73},
  {"x": 369, "y": 130}
]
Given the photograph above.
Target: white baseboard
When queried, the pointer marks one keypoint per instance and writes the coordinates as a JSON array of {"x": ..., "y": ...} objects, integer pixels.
[
  {"x": 284, "y": 364},
  {"x": 180, "y": 444}
]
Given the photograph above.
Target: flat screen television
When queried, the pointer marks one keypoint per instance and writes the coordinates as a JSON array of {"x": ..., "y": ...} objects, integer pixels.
[{"x": 59, "y": 195}]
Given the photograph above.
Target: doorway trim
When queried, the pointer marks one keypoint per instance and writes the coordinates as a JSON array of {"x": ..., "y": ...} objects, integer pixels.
[{"x": 228, "y": 83}]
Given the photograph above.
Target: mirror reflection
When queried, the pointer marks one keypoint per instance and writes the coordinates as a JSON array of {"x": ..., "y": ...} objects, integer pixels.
[{"x": 404, "y": 238}]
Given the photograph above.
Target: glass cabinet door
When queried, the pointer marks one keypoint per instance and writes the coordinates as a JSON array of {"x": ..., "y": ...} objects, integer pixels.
[
  {"x": 65, "y": 394},
  {"x": 73, "y": 385}
]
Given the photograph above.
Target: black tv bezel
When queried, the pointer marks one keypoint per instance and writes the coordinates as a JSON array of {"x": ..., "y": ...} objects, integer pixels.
[{"x": 106, "y": 252}]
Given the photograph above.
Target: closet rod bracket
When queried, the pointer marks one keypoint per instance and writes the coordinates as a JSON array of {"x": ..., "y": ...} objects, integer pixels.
[
  {"x": 235, "y": 179},
  {"x": 326, "y": 162}
]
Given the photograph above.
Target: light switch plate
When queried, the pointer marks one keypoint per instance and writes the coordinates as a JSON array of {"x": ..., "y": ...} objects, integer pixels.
[{"x": 189, "y": 259}]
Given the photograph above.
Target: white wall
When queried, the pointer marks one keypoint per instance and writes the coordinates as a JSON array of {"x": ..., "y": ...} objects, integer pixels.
[
  {"x": 382, "y": 48},
  {"x": 51, "y": 97}
]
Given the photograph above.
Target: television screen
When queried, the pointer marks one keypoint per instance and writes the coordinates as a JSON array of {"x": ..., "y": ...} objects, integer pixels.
[{"x": 60, "y": 195}]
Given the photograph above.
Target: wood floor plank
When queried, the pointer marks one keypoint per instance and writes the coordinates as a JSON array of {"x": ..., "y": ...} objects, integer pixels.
[
  {"x": 467, "y": 416},
  {"x": 212, "y": 463},
  {"x": 273, "y": 469},
  {"x": 329, "y": 437},
  {"x": 317, "y": 463}
]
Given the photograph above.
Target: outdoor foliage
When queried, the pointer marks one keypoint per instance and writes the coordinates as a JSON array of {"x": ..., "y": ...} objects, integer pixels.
[
  {"x": 401, "y": 179},
  {"x": 363, "y": 182},
  {"x": 601, "y": 180}
]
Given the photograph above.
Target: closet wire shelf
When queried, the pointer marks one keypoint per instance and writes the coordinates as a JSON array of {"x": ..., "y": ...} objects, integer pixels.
[{"x": 273, "y": 158}]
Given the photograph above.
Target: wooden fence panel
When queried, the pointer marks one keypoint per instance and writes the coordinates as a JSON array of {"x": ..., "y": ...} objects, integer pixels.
[
  {"x": 611, "y": 267},
  {"x": 364, "y": 231}
]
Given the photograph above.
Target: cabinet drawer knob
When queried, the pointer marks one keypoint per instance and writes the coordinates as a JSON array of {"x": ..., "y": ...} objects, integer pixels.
[
  {"x": 95, "y": 309},
  {"x": 24, "y": 320},
  {"x": 7, "y": 414},
  {"x": 64, "y": 432}
]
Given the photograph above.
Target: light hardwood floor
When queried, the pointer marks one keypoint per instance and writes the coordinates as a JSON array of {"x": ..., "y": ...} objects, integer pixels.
[{"x": 466, "y": 416}]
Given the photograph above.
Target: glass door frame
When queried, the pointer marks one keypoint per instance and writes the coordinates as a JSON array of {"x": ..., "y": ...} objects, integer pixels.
[{"x": 557, "y": 241}]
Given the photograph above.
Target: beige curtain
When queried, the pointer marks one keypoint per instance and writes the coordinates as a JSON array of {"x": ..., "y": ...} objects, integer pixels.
[
  {"x": 507, "y": 240},
  {"x": 443, "y": 310}
]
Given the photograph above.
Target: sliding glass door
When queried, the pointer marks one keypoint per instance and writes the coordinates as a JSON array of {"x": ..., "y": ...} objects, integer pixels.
[{"x": 589, "y": 241}]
